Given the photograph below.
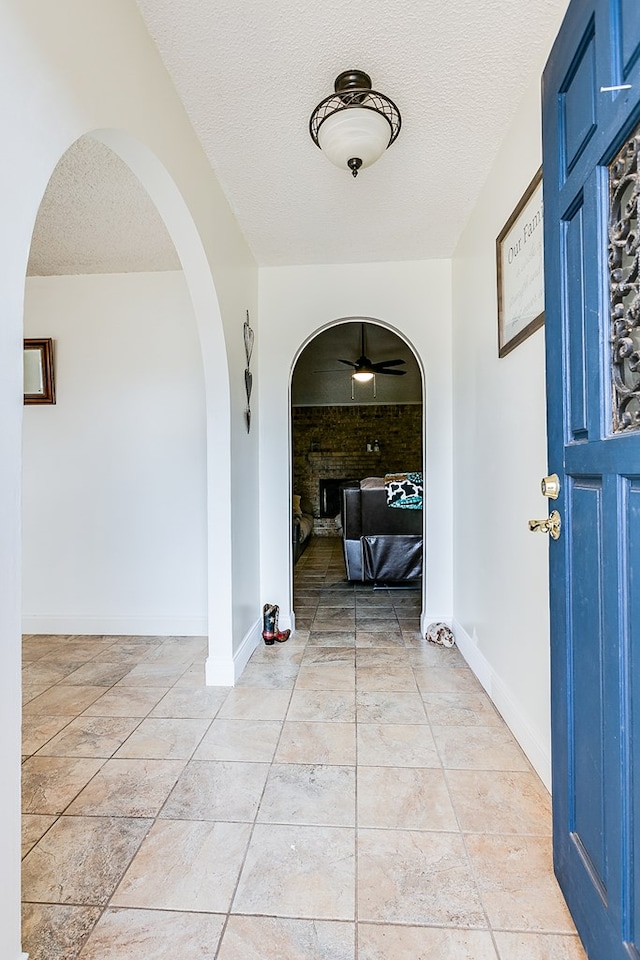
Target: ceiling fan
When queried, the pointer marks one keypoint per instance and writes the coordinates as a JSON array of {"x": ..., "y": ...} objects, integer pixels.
[{"x": 365, "y": 369}]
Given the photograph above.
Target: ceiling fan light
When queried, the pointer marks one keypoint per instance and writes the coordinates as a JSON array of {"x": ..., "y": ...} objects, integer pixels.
[
  {"x": 363, "y": 376},
  {"x": 358, "y": 133}
]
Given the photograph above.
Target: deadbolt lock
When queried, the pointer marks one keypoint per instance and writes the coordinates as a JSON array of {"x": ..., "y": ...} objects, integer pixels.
[
  {"x": 550, "y": 486},
  {"x": 551, "y": 525}
]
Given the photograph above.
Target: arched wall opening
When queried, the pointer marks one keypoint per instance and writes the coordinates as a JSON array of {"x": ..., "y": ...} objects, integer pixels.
[
  {"x": 180, "y": 225},
  {"x": 376, "y": 455}
]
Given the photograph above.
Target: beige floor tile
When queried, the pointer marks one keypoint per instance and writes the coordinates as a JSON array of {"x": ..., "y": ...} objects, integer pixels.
[
  {"x": 75, "y": 651},
  {"x": 56, "y": 931},
  {"x": 62, "y": 701},
  {"x": 124, "y": 651},
  {"x": 416, "y": 878},
  {"x": 383, "y": 654},
  {"x": 337, "y": 598},
  {"x": 124, "y": 934},
  {"x": 49, "y": 784},
  {"x": 387, "y": 942},
  {"x": 309, "y": 793},
  {"x": 517, "y": 885},
  {"x": 332, "y": 638},
  {"x": 250, "y": 740},
  {"x": 128, "y": 788},
  {"x": 369, "y": 638},
  {"x": 34, "y": 826},
  {"x": 253, "y": 703},
  {"x": 90, "y": 737},
  {"x": 404, "y": 798},
  {"x": 316, "y": 655},
  {"x": 386, "y": 627},
  {"x": 383, "y": 677},
  {"x": 328, "y": 705},
  {"x": 125, "y": 702},
  {"x": 152, "y": 674},
  {"x": 38, "y": 730},
  {"x": 185, "y": 865},
  {"x": 390, "y": 707},
  {"x": 47, "y": 672},
  {"x": 497, "y": 802},
  {"x": 279, "y": 675},
  {"x": 97, "y": 674},
  {"x": 30, "y": 691},
  {"x": 325, "y": 616},
  {"x": 326, "y": 676},
  {"x": 317, "y": 742},
  {"x": 278, "y": 938},
  {"x": 479, "y": 748},
  {"x": 278, "y": 654},
  {"x": 164, "y": 739},
  {"x": 185, "y": 703},
  {"x": 36, "y": 646},
  {"x": 426, "y": 654},
  {"x": 538, "y": 946},
  {"x": 461, "y": 709},
  {"x": 81, "y": 859},
  {"x": 298, "y": 871},
  {"x": 217, "y": 790},
  {"x": 438, "y": 679},
  {"x": 396, "y": 745}
]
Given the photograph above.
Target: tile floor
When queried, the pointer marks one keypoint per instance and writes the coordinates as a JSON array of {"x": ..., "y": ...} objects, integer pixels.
[{"x": 355, "y": 796}]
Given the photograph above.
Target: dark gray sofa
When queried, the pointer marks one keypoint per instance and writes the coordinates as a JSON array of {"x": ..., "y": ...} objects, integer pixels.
[{"x": 380, "y": 543}]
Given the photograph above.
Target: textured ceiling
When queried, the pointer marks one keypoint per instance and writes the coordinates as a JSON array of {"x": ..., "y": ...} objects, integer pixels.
[
  {"x": 250, "y": 72},
  {"x": 96, "y": 218}
]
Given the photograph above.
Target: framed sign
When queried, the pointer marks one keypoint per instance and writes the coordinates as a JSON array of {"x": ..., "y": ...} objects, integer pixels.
[
  {"x": 39, "y": 384},
  {"x": 520, "y": 262}
]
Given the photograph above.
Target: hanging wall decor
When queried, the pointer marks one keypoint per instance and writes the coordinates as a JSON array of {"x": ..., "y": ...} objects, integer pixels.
[
  {"x": 520, "y": 262},
  {"x": 39, "y": 382},
  {"x": 248, "y": 376}
]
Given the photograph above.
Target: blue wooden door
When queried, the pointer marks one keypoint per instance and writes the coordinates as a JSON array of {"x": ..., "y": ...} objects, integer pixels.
[{"x": 591, "y": 157}]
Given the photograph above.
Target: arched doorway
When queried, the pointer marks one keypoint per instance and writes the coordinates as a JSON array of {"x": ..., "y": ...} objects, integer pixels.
[
  {"x": 345, "y": 428},
  {"x": 115, "y": 474}
]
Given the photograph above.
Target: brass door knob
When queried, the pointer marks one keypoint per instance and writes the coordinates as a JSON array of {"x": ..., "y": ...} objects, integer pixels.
[
  {"x": 551, "y": 525},
  {"x": 550, "y": 486}
]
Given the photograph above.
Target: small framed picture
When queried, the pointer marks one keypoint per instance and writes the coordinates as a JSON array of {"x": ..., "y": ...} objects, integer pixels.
[
  {"x": 520, "y": 264},
  {"x": 39, "y": 381}
]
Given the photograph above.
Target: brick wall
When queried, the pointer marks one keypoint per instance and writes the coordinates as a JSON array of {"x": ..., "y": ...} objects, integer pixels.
[{"x": 332, "y": 442}]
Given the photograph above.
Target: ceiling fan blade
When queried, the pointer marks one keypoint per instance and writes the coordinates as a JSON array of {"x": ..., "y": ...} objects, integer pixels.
[
  {"x": 393, "y": 373},
  {"x": 387, "y": 363},
  {"x": 349, "y": 363}
]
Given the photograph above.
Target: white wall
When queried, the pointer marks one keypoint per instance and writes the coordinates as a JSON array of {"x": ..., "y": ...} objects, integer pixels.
[
  {"x": 68, "y": 68},
  {"x": 114, "y": 492},
  {"x": 295, "y": 302},
  {"x": 500, "y": 569}
]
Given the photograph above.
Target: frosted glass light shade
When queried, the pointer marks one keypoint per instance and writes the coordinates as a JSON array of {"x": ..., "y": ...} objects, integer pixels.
[
  {"x": 354, "y": 132},
  {"x": 363, "y": 376}
]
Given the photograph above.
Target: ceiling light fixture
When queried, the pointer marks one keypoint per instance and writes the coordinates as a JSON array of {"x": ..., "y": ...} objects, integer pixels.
[
  {"x": 363, "y": 376},
  {"x": 355, "y": 125}
]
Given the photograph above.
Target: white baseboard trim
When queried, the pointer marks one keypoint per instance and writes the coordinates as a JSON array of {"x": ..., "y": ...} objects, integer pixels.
[
  {"x": 115, "y": 626},
  {"x": 224, "y": 673},
  {"x": 500, "y": 694}
]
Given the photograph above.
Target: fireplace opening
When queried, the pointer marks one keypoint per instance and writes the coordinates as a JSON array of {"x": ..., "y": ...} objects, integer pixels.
[{"x": 330, "y": 495}]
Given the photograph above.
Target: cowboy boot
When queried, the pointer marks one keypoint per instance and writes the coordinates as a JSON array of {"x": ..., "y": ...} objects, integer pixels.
[
  {"x": 269, "y": 623},
  {"x": 280, "y": 635}
]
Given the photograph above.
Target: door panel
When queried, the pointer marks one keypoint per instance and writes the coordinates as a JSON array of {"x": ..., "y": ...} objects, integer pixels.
[
  {"x": 592, "y": 270},
  {"x": 585, "y": 550},
  {"x": 626, "y": 32}
]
